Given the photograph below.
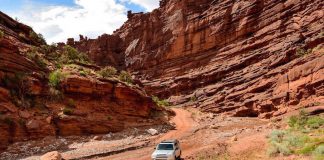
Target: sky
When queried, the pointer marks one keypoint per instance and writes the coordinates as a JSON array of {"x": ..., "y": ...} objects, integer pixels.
[{"x": 58, "y": 20}]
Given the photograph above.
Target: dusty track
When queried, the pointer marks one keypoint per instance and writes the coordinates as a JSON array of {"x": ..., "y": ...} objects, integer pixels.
[
  {"x": 202, "y": 136},
  {"x": 184, "y": 125}
]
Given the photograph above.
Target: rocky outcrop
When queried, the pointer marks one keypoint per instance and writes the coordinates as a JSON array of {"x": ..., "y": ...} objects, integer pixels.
[
  {"x": 248, "y": 58},
  {"x": 104, "y": 51}
]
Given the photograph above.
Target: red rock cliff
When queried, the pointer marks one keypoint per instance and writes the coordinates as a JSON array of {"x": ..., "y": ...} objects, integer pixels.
[
  {"x": 84, "y": 105},
  {"x": 249, "y": 58}
]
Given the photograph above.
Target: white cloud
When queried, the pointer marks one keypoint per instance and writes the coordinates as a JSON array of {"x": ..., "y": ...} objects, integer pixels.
[
  {"x": 88, "y": 17},
  {"x": 149, "y": 5}
]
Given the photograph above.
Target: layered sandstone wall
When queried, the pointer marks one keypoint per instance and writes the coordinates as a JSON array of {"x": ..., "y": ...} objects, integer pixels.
[{"x": 241, "y": 56}]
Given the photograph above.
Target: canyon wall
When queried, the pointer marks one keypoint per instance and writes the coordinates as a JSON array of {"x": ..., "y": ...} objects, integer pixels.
[
  {"x": 31, "y": 109},
  {"x": 247, "y": 58}
]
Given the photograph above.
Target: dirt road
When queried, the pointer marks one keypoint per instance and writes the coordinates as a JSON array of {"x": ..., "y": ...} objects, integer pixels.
[
  {"x": 202, "y": 136},
  {"x": 184, "y": 126}
]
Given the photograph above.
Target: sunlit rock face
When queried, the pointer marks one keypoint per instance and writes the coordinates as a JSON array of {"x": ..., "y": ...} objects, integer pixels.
[{"x": 247, "y": 58}]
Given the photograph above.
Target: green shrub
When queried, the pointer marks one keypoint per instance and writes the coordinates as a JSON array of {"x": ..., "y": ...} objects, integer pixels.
[
  {"x": 39, "y": 60},
  {"x": 319, "y": 152},
  {"x": 298, "y": 122},
  {"x": 1, "y": 34},
  {"x": 315, "y": 122},
  {"x": 303, "y": 137},
  {"x": 108, "y": 72},
  {"x": 55, "y": 78},
  {"x": 193, "y": 98},
  {"x": 302, "y": 52},
  {"x": 317, "y": 103},
  {"x": 67, "y": 111},
  {"x": 83, "y": 73},
  {"x": 277, "y": 135},
  {"x": 71, "y": 55},
  {"x": 125, "y": 77},
  {"x": 37, "y": 37},
  {"x": 19, "y": 88},
  {"x": 303, "y": 121},
  {"x": 161, "y": 103}
]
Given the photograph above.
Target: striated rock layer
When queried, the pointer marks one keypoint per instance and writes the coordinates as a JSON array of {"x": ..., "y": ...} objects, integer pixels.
[
  {"x": 248, "y": 58},
  {"x": 29, "y": 109}
]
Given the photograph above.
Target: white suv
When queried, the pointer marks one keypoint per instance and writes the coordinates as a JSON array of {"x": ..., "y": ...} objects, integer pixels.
[{"x": 167, "y": 150}]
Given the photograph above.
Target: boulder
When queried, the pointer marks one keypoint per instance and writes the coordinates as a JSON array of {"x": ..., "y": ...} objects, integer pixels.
[
  {"x": 24, "y": 114},
  {"x": 97, "y": 138},
  {"x": 51, "y": 156},
  {"x": 152, "y": 131},
  {"x": 33, "y": 124}
]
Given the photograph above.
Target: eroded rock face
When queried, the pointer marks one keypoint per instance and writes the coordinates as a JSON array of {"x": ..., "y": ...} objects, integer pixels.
[
  {"x": 241, "y": 57},
  {"x": 104, "y": 51}
]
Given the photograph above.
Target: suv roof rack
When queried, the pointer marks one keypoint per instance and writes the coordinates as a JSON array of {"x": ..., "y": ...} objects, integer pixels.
[{"x": 170, "y": 141}]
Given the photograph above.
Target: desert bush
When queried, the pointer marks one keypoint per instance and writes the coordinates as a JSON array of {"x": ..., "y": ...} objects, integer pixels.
[
  {"x": 67, "y": 111},
  {"x": 301, "y": 138},
  {"x": 71, "y": 55},
  {"x": 50, "y": 51},
  {"x": 161, "y": 103},
  {"x": 108, "y": 72},
  {"x": 38, "y": 59},
  {"x": 38, "y": 38},
  {"x": 83, "y": 73},
  {"x": 318, "y": 153},
  {"x": 278, "y": 148},
  {"x": 303, "y": 120},
  {"x": 19, "y": 88},
  {"x": 1, "y": 34},
  {"x": 302, "y": 52},
  {"x": 125, "y": 77},
  {"x": 193, "y": 98},
  {"x": 315, "y": 122},
  {"x": 55, "y": 78}
]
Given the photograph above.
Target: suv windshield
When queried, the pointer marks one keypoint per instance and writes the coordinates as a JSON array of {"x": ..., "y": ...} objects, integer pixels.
[{"x": 165, "y": 147}]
